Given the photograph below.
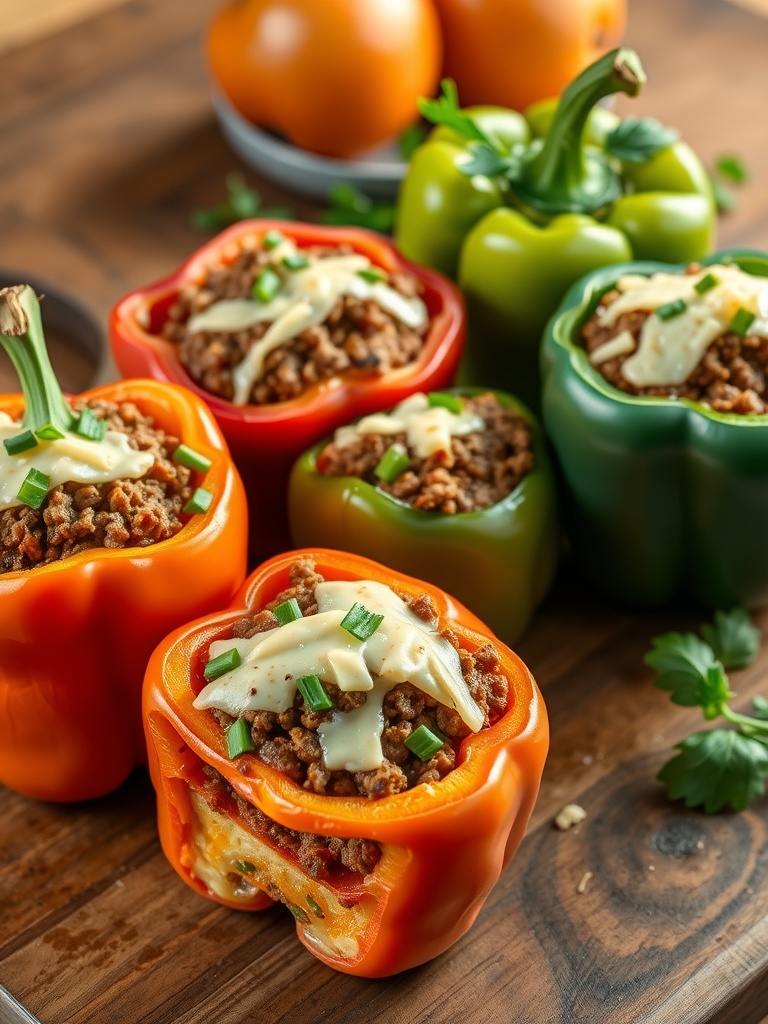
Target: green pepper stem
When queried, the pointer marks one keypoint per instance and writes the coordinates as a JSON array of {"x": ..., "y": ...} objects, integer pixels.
[
  {"x": 562, "y": 176},
  {"x": 21, "y": 335}
]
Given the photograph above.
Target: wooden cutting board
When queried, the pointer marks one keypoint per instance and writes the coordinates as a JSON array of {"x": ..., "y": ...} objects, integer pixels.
[{"x": 645, "y": 913}]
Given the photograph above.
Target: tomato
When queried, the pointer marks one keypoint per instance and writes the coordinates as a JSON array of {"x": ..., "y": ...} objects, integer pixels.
[
  {"x": 337, "y": 77},
  {"x": 513, "y": 52}
]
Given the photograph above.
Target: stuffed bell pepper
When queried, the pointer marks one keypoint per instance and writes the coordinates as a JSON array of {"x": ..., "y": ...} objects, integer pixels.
[
  {"x": 121, "y": 516},
  {"x": 516, "y": 208},
  {"x": 350, "y": 742},
  {"x": 288, "y": 333},
  {"x": 655, "y": 401},
  {"x": 455, "y": 487}
]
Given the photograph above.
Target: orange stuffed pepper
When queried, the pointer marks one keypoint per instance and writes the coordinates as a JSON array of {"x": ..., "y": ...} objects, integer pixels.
[
  {"x": 348, "y": 741},
  {"x": 112, "y": 533}
]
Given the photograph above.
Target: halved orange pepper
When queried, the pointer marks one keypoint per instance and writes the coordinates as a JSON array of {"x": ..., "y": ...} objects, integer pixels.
[
  {"x": 444, "y": 845},
  {"x": 76, "y": 634}
]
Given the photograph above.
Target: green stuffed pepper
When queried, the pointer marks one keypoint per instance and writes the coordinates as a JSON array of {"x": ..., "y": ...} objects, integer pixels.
[
  {"x": 517, "y": 208},
  {"x": 375, "y": 492},
  {"x": 655, "y": 402}
]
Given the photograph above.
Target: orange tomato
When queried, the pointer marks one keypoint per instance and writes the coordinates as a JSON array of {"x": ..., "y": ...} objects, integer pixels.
[
  {"x": 514, "y": 52},
  {"x": 337, "y": 77}
]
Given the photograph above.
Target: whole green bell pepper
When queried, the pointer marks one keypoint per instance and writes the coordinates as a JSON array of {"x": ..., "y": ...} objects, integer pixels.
[
  {"x": 499, "y": 561},
  {"x": 517, "y": 208},
  {"x": 662, "y": 497}
]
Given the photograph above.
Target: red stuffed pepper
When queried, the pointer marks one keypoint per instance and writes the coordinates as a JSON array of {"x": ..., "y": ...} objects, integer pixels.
[
  {"x": 287, "y": 333},
  {"x": 383, "y": 801}
]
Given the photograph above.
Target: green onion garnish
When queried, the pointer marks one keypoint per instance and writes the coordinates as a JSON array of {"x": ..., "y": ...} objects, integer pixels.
[
  {"x": 189, "y": 457},
  {"x": 671, "y": 309},
  {"x": 34, "y": 489},
  {"x": 360, "y": 622},
  {"x": 287, "y": 612},
  {"x": 298, "y": 912},
  {"x": 245, "y": 867},
  {"x": 20, "y": 442},
  {"x": 238, "y": 736},
  {"x": 267, "y": 285},
  {"x": 296, "y": 261},
  {"x": 705, "y": 284},
  {"x": 450, "y": 402},
  {"x": 742, "y": 321},
  {"x": 313, "y": 692},
  {"x": 373, "y": 275},
  {"x": 200, "y": 501},
  {"x": 392, "y": 464},
  {"x": 49, "y": 432},
  {"x": 314, "y": 906},
  {"x": 90, "y": 426},
  {"x": 272, "y": 239},
  {"x": 423, "y": 743},
  {"x": 222, "y": 663}
]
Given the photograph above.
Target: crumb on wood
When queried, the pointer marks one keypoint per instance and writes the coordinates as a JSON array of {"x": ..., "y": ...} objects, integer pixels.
[
  {"x": 571, "y": 814},
  {"x": 586, "y": 878}
]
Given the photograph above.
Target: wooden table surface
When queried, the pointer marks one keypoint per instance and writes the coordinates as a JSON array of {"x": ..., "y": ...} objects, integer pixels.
[{"x": 108, "y": 143}]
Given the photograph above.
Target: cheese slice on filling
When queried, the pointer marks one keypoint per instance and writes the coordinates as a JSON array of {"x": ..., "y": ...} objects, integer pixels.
[
  {"x": 307, "y": 298},
  {"x": 70, "y": 459},
  {"x": 403, "y": 648},
  {"x": 670, "y": 349}
]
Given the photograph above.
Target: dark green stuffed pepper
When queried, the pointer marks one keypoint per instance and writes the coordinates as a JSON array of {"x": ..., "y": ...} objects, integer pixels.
[
  {"x": 655, "y": 401},
  {"x": 517, "y": 208},
  {"x": 454, "y": 487}
]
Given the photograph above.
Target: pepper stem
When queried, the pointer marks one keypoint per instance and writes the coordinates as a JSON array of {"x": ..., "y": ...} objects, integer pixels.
[
  {"x": 21, "y": 335},
  {"x": 562, "y": 176}
]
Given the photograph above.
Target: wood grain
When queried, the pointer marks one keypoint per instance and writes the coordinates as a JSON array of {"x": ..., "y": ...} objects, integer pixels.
[{"x": 101, "y": 165}]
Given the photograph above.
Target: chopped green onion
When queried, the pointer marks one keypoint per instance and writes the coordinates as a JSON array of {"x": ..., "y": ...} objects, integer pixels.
[
  {"x": 450, "y": 402},
  {"x": 189, "y": 457},
  {"x": 272, "y": 239},
  {"x": 706, "y": 283},
  {"x": 34, "y": 489},
  {"x": 373, "y": 275},
  {"x": 298, "y": 912},
  {"x": 239, "y": 740},
  {"x": 267, "y": 285},
  {"x": 90, "y": 426},
  {"x": 671, "y": 309},
  {"x": 287, "y": 612},
  {"x": 392, "y": 464},
  {"x": 49, "y": 432},
  {"x": 222, "y": 664},
  {"x": 245, "y": 867},
  {"x": 313, "y": 692},
  {"x": 360, "y": 622},
  {"x": 423, "y": 743},
  {"x": 20, "y": 442},
  {"x": 296, "y": 261},
  {"x": 314, "y": 906},
  {"x": 200, "y": 501},
  {"x": 742, "y": 321}
]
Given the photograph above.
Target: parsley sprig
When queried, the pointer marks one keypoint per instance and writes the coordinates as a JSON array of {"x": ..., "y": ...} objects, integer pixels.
[{"x": 724, "y": 766}]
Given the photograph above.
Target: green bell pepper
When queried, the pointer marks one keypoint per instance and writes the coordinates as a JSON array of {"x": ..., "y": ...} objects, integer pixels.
[
  {"x": 499, "y": 561},
  {"x": 662, "y": 497},
  {"x": 517, "y": 208}
]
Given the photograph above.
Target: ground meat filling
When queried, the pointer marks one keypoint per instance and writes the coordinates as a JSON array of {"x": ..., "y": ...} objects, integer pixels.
[
  {"x": 480, "y": 470},
  {"x": 320, "y": 856},
  {"x": 731, "y": 376},
  {"x": 123, "y": 513},
  {"x": 289, "y": 742},
  {"x": 357, "y": 336}
]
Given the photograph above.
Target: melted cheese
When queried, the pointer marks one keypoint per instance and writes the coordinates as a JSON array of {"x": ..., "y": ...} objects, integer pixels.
[
  {"x": 669, "y": 350},
  {"x": 307, "y": 298},
  {"x": 70, "y": 459},
  {"x": 428, "y": 429},
  {"x": 403, "y": 649}
]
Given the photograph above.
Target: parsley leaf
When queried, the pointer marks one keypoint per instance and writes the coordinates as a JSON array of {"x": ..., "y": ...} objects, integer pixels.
[
  {"x": 636, "y": 139},
  {"x": 445, "y": 110},
  {"x": 716, "y": 769},
  {"x": 488, "y": 161},
  {"x": 242, "y": 203},
  {"x": 733, "y": 638},
  {"x": 688, "y": 668},
  {"x": 410, "y": 139},
  {"x": 760, "y": 708},
  {"x": 732, "y": 168},
  {"x": 350, "y": 206},
  {"x": 728, "y": 170}
]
